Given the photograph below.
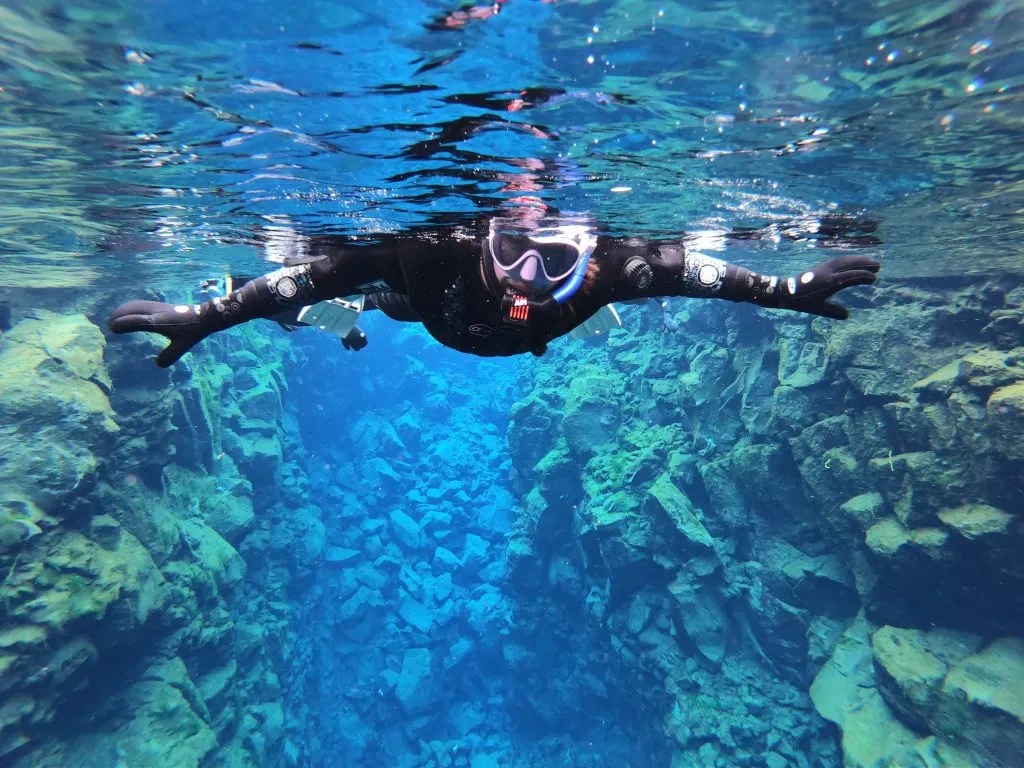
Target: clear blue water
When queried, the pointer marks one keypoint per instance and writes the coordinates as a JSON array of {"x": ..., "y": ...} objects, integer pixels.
[
  {"x": 181, "y": 127},
  {"x": 146, "y": 146}
]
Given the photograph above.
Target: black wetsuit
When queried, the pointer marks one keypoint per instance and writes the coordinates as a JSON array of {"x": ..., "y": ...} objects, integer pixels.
[{"x": 444, "y": 280}]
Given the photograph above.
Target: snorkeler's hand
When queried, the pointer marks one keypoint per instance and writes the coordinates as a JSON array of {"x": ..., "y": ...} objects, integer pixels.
[
  {"x": 811, "y": 290},
  {"x": 179, "y": 323},
  {"x": 354, "y": 339}
]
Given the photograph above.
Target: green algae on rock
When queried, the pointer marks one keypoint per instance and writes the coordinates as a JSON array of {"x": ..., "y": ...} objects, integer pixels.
[
  {"x": 892, "y": 486},
  {"x": 911, "y": 665},
  {"x": 982, "y": 703},
  {"x": 55, "y": 430}
]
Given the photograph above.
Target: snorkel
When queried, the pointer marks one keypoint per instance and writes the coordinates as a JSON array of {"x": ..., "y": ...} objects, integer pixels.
[{"x": 570, "y": 286}]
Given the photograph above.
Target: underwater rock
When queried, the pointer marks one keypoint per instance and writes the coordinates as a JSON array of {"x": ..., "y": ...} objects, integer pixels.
[
  {"x": 259, "y": 397},
  {"x": 154, "y": 721},
  {"x": 859, "y": 513},
  {"x": 417, "y": 615},
  {"x": 896, "y": 545},
  {"x": 174, "y": 672},
  {"x": 74, "y": 578},
  {"x": 406, "y": 530},
  {"x": 213, "y": 553},
  {"x": 564, "y": 577},
  {"x": 911, "y": 666},
  {"x": 264, "y": 724},
  {"x": 821, "y": 583},
  {"x": 356, "y": 607},
  {"x": 231, "y": 514},
  {"x": 639, "y": 613},
  {"x": 105, "y": 531},
  {"x": 215, "y": 687},
  {"x": 802, "y": 364},
  {"x": 55, "y": 430},
  {"x": 988, "y": 369},
  {"x": 828, "y": 465},
  {"x": 311, "y": 546},
  {"x": 845, "y": 693},
  {"x": 775, "y": 630},
  {"x": 474, "y": 553},
  {"x": 589, "y": 420},
  {"x": 414, "y": 686},
  {"x": 1005, "y": 410},
  {"x": 194, "y": 438},
  {"x": 623, "y": 542},
  {"x": 870, "y": 349},
  {"x": 702, "y": 618},
  {"x": 440, "y": 588},
  {"x": 339, "y": 556},
  {"x": 919, "y": 484},
  {"x": 978, "y": 522},
  {"x": 982, "y": 703},
  {"x": 961, "y": 714},
  {"x": 681, "y": 512}
]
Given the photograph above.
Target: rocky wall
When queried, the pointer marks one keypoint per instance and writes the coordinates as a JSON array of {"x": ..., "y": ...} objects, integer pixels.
[
  {"x": 150, "y": 535},
  {"x": 755, "y": 504}
]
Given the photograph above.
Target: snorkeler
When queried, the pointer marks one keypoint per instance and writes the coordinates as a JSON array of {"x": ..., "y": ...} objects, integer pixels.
[{"x": 508, "y": 288}]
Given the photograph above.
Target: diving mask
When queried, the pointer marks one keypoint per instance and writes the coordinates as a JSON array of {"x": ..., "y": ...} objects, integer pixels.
[{"x": 534, "y": 262}]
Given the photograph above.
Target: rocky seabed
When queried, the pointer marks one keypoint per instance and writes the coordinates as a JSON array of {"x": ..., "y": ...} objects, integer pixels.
[{"x": 740, "y": 539}]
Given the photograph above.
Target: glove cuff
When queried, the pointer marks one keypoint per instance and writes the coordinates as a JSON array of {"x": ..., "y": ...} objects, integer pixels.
[
  {"x": 742, "y": 284},
  {"x": 286, "y": 288}
]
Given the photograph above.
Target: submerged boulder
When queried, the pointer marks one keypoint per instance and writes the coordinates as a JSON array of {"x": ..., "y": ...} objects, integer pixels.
[
  {"x": 1005, "y": 409},
  {"x": 845, "y": 693},
  {"x": 982, "y": 703},
  {"x": 406, "y": 530},
  {"x": 55, "y": 418},
  {"x": 702, "y": 617},
  {"x": 977, "y": 521},
  {"x": 414, "y": 685},
  {"x": 911, "y": 666},
  {"x": 679, "y": 509}
]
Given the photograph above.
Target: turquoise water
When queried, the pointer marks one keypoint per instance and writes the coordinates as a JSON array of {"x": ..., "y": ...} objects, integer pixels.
[{"x": 725, "y": 537}]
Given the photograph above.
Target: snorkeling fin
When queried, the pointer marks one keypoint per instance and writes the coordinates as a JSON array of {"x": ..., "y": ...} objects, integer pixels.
[
  {"x": 598, "y": 325},
  {"x": 337, "y": 316}
]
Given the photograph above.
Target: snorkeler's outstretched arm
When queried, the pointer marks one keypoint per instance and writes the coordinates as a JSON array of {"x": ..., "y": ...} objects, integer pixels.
[
  {"x": 669, "y": 269},
  {"x": 337, "y": 270}
]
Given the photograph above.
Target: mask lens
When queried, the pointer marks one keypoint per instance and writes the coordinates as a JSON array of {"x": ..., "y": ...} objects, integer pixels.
[
  {"x": 559, "y": 259},
  {"x": 510, "y": 249}
]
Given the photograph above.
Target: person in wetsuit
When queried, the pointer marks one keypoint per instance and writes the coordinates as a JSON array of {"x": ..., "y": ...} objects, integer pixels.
[{"x": 505, "y": 289}]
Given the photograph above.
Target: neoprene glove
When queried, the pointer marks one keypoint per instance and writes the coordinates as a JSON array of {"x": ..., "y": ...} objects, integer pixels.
[
  {"x": 810, "y": 291},
  {"x": 179, "y": 323},
  {"x": 354, "y": 339}
]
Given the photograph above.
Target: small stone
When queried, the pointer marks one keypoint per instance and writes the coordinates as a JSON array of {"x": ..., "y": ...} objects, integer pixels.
[
  {"x": 405, "y": 529},
  {"x": 341, "y": 555},
  {"x": 474, "y": 552},
  {"x": 445, "y": 560},
  {"x": 416, "y": 614}
]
